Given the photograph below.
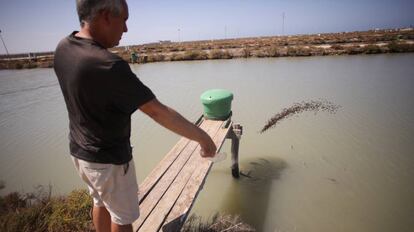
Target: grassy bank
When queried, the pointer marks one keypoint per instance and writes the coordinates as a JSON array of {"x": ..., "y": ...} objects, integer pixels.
[
  {"x": 350, "y": 43},
  {"x": 42, "y": 212},
  {"x": 38, "y": 212}
]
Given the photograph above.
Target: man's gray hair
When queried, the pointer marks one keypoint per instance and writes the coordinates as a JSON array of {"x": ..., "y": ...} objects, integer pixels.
[{"x": 89, "y": 9}]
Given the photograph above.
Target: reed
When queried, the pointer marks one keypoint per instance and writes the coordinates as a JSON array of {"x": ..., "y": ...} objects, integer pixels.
[
  {"x": 218, "y": 223},
  {"x": 40, "y": 211}
]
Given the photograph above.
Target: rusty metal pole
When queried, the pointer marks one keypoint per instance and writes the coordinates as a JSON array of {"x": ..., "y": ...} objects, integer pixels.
[{"x": 235, "y": 137}]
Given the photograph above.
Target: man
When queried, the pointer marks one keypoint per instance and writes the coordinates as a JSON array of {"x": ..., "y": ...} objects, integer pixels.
[{"x": 101, "y": 93}]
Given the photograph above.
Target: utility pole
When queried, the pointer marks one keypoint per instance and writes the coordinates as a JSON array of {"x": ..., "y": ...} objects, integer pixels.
[
  {"x": 179, "y": 35},
  {"x": 283, "y": 23},
  {"x": 225, "y": 32},
  {"x": 4, "y": 44}
]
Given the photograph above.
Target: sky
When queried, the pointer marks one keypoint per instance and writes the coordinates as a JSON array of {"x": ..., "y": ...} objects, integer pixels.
[{"x": 38, "y": 25}]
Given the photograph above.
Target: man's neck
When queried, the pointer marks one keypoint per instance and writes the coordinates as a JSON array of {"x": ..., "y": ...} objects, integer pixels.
[
  {"x": 88, "y": 32},
  {"x": 85, "y": 32}
]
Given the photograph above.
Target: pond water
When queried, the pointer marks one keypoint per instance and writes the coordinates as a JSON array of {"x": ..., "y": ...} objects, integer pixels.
[{"x": 348, "y": 171}]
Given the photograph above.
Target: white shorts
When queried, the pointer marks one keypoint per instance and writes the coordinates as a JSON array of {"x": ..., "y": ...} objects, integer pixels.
[{"x": 113, "y": 187}]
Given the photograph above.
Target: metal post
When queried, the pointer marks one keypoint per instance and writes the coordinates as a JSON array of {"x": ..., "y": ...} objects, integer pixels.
[{"x": 235, "y": 136}]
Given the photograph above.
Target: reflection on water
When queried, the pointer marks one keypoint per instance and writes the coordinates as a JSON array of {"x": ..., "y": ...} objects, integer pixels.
[
  {"x": 249, "y": 196},
  {"x": 349, "y": 171}
]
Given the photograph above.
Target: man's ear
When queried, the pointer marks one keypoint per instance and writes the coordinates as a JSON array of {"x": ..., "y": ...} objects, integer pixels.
[{"x": 106, "y": 16}]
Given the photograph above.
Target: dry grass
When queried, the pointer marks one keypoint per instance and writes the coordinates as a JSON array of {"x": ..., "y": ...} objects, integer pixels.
[
  {"x": 39, "y": 211},
  {"x": 219, "y": 223},
  {"x": 220, "y": 54}
]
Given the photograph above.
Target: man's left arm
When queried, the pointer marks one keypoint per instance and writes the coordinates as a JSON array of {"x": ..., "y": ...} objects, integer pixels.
[{"x": 175, "y": 122}]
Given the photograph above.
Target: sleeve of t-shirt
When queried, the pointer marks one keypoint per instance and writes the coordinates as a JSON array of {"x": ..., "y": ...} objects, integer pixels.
[{"x": 129, "y": 92}]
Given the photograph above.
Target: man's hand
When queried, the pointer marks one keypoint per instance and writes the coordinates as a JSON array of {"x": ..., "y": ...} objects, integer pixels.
[{"x": 208, "y": 148}]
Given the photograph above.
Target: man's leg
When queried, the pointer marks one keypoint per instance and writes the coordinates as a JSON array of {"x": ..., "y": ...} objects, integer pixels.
[
  {"x": 102, "y": 222},
  {"x": 114, "y": 190},
  {"x": 101, "y": 219},
  {"x": 121, "y": 228}
]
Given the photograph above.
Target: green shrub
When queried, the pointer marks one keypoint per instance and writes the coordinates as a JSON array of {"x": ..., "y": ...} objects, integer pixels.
[
  {"x": 46, "y": 64},
  {"x": 274, "y": 52},
  {"x": 219, "y": 223},
  {"x": 400, "y": 47},
  {"x": 177, "y": 57},
  {"x": 155, "y": 57},
  {"x": 302, "y": 51},
  {"x": 220, "y": 54},
  {"x": 195, "y": 55},
  {"x": 353, "y": 50},
  {"x": 125, "y": 56},
  {"x": 11, "y": 202},
  {"x": 30, "y": 65},
  {"x": 337, "y": 47},
  {"x": 372, "y": 49},
  {"x": 317, "y": 51},
  {"x": 4, "y": 65},
  {"x": 261, "y": 54},
  {"x": 246, "y": 52},
  {"x": 291, "y": 51},
  {"x": 19, "y": 66},
  {"x": 41, "y": 212},
  {"x": 72, "y": 213}
]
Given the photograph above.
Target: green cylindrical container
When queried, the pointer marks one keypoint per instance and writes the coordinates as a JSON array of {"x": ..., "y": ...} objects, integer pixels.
[
  {"x": 217, "y": 103},
  {"x": 134, "y": 57}
]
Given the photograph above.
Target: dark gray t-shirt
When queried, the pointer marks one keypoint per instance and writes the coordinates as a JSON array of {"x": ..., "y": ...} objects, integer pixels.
[{"x": 101, "y": 92}]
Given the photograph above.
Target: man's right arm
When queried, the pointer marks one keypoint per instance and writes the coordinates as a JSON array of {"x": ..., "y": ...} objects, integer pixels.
[{"x": 173, "y": 121}]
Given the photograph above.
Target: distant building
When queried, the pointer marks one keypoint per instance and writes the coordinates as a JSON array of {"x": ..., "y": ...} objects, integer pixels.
[{"x": 165, "y": 41}]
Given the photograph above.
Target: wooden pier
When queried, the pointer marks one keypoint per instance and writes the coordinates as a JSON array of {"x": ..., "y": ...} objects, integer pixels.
[{"x": 169, "y": 191}]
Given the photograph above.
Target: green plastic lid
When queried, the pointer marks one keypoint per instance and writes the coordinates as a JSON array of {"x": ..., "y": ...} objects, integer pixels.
[
  {"x": 216, "y": 95},
  {"x": 217, "y": 103}
]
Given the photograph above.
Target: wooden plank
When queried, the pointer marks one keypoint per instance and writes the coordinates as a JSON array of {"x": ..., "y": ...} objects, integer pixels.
[
  {"x": 186, "y": 199},
  {"x": 163, "y": 184},
  {"x": 157, "y": 217},
  {"x": 147, "y": 206},
  {"x": 148, "y": 183},
  {"x": 146, "y": 186},
  {"x": 182, "y": 206}
]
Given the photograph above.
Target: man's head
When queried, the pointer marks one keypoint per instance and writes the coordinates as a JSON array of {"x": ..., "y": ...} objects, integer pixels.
[{"x": 106, "y": 19}]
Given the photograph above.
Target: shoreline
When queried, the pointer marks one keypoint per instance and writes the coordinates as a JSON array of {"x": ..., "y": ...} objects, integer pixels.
[
  {"x": 343, "y": 43},
  {"x": 40, "y": 211}
]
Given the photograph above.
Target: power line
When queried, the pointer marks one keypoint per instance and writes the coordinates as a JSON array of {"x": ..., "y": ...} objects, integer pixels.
[{"x": 4, "y": 44}]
